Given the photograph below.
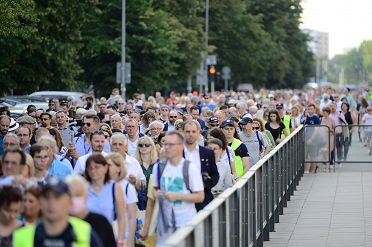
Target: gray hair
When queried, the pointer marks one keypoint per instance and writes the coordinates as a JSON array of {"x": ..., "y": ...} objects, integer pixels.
[
  {"x": 10, "y": 135},
  {"x": 52, "y": 142},
  {"x": 253, "y": 109},
  {"x": 119, "y": 136},
  {"x": 156, "y": 122}
]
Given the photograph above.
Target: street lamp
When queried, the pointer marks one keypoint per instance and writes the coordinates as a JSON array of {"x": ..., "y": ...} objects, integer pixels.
[{"x": 123, "y": 36}]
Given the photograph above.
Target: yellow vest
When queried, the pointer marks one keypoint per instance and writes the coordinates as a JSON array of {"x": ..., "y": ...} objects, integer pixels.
[
  {"x": 287, "y": 122},
  {"x": 239, "y": 168},
  {"x": 24, "y": 237}
]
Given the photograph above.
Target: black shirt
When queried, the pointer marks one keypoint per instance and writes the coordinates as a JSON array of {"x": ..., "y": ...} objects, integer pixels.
[
  {"x": 102, "y": 227},
  {"x": 241, "y": 151},
  {"x": 65, "y": 239},
  {"x": 275, "y": 132}
]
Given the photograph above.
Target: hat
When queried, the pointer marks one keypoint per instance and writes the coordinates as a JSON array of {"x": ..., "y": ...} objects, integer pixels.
[
  {"x": 180, "y": 111},
  {"x": 26, "y": 119},
  {"x": 245, "y": 120},
  {"x": 279, "y": 106},
  {"x": 13, "y": 125},
  {"x": 213, "y": 120},
  {"x": 54, "y": 184},
  {"x": 231, "y": 102},
  {"x": 227, "y": 122},
  {"x": 81, "y": 111}
]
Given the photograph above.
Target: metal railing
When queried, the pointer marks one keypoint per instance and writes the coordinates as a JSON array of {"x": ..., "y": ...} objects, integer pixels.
[{"x": 246, "y": 213}]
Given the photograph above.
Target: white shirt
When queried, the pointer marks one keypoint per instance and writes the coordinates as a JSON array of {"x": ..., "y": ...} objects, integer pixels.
[
  {"x": 172, "y": 180},
  {"x": 132, "y": 147},
  {"x": 134, "y": 168},
  {"x": 81, "y": 163},
  {"x": 130, "y": 196},
  {"x": 225, "y": 179},
  {"x": 193, "y": 156}
]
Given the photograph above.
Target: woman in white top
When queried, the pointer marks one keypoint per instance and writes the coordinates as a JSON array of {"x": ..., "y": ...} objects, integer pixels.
[
  {"x": 295, "y": 117},
  {"x": 223, "y": 167},
  {"x": 228, "y": 154},
  {"x": 118, "y": 172}
]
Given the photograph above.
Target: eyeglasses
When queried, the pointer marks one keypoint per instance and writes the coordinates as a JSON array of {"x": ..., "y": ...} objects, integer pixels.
[
  {"x": 87, "y": 124},
  {"x": 144, "y": 145},
  {"x": 156, "y": 129}
]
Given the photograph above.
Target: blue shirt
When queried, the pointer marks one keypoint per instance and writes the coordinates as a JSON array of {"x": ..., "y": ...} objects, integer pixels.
[
  {"x": 312, "y": 120},
  {"x": 59, "y": 169},
  {"x": 102, "y": 202},
  {"x": 85, "y": 148}
]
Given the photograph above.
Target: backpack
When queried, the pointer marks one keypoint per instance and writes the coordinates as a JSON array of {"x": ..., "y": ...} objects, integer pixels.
[
  {"x": 185, "y": 172},
  {"x": 260, "y": 142}
]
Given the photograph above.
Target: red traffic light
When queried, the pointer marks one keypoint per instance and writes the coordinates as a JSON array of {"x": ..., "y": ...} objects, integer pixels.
[{"x": 212, "y": 70}]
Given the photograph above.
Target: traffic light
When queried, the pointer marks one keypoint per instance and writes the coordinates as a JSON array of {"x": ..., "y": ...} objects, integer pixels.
[{"x": 212, "y": 70}]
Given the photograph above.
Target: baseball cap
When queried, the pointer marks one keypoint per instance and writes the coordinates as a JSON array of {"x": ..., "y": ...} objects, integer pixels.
[
  {"x": 279, "y": 106},
  {"x": 54, "y": 184},
  {"x": 245, "y": 120},
  {"x": 213, "y": 120},
  {"x": 26, "y": 120},
  {"x": 227, "y": 122}
]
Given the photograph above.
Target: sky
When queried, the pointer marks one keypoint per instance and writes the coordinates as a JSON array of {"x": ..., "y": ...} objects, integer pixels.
[{"x": 348, "y": 22}]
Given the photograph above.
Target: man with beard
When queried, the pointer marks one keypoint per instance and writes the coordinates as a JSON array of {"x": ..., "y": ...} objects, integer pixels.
[
  {"x": 173, "y": 116},
  {"x": 4, "y": 127},
  {"x": 82, "y": 144},
  {"x": 97, "y": 141}
]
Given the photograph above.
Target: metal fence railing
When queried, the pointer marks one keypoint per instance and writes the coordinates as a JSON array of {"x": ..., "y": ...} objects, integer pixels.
[{"x": 246, "y": 213}]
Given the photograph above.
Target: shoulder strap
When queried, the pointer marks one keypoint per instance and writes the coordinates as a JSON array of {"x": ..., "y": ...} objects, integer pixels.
[
  {"x": 113, "y": 201},
  {"x": 161, "y": 167},
  {"x": 229, "y": 159},
  {"x": 126, "y": 189},
  {"x": 185, "y": 174},
  {"x": 259, "y": 142}
]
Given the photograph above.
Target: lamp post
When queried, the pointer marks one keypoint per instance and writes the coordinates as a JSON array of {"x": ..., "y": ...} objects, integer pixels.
[
  {"x": 123, "y": 36},
  {"x": 206, "y": 44}
]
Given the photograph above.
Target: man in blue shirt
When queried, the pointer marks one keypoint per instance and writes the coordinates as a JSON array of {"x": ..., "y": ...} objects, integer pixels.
[{"x": 312, "y": 147}]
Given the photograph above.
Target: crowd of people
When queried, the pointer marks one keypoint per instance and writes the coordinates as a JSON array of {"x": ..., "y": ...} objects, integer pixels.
[{"x": 123, "y": 173}]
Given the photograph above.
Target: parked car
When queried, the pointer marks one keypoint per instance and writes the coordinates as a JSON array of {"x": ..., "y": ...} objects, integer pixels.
[
  {"x": 47, "y": 95},
  {"x": 22, "y": 108}
]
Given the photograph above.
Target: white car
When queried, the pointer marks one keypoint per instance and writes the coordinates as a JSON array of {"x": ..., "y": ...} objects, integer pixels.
[
  {"x": 60, "y": 95},
  {"x": 22, "y": 108}
]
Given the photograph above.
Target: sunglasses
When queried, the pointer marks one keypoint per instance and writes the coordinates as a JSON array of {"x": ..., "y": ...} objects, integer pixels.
[
  {"x": 87, "y": 124},
  {"x": 144, "y": 145},
  {"x": 256, "y": 128},
  {"x": 214, "y": 125},
  {"x": 172, "y": 116}
]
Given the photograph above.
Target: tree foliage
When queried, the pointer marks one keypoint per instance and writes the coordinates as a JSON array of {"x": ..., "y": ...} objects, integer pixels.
[
  {"x": 69, "y": 45},
  {"x": 356, "y": 65}
]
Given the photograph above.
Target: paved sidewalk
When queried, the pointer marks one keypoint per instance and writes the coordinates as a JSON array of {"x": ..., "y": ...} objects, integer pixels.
[{"x": 329, "y": 209}]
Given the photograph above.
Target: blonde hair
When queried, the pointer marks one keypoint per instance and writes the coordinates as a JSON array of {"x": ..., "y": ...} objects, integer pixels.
[
  {"x": 118, "y": 161},
  {"x": 153, "y": 153},
  {"x": 72, "y": 179},
  {"x": 30, "y": 165}
]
